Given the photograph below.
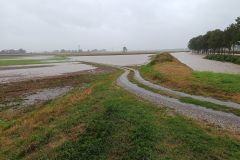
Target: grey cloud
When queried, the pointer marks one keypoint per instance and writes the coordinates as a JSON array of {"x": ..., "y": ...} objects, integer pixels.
[{"x": 139, "y": 24}]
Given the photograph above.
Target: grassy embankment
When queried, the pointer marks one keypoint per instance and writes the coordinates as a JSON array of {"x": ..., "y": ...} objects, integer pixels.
[
  {"x": 224, "y": 58},
  {"x": 168, "y": 71},
  {"x": 102, "y": 121},
  {"x": 186, "y": 99},
  {"x": 8, "y": 62}
]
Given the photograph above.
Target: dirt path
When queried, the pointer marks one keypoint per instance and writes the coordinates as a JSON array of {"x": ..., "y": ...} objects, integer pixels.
[
  {"x": 222, "y": 119},
  {"x": 139, "y": 78}
]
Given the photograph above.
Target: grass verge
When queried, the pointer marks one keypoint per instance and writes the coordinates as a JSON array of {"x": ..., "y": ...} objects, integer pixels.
[
  {"x": 187, "y": 99},
  {"x": 178, "y": 76},
  {"x": 9, "y": 62},
  {"x": 103, "y": 121}
]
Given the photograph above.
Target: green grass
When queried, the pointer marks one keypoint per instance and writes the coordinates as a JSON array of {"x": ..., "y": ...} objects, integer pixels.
[
  {"x": 19, "y": 62},
  {"x": 149, "y": 71},
  {"x": 8, "y": 62},
  {"x": 224, "y": 58},
  {"x": 161, "y": 58},
  {"x": 133, "y": 129},
  {"x": 132, "y": 79},
  {"x": 186, "y": 99},
  {"x": 227, "y": 82},
  {"x": 180, "y": 77},
  {"x": 117, "y": 125}
]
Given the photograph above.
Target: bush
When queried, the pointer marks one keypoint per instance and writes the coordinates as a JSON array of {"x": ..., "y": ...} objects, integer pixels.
[{"x": 224, "y": 58}]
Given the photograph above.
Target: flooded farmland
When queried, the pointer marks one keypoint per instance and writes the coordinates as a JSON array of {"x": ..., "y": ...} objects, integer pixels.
[
  {"x": 198, "y": 63},
  {"x": 53, "y": 67},
  {"x": 26, "y": 72},
  {"x": 118, "y": 60}
]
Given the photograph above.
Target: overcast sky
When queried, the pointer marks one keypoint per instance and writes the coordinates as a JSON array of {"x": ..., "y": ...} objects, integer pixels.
[{"x": 39, "y": 25}]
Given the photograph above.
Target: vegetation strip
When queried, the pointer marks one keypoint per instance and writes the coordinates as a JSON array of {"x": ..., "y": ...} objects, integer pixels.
[
  {"x": 9, "y": 62},
  {"x": 171, "y": 73},
  {"x": 225, "y": 120},
  {"x": 183, "y": 99},
  {"x": 103, "y": 121}
]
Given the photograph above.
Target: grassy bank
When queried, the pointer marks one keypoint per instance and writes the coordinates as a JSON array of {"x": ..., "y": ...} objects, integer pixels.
[
  {"x": 102, "y": 121},
  {"x": 173, "y": 74},
  {"x": 224, "y": 58},
  {"x": 186, "y": 99}
]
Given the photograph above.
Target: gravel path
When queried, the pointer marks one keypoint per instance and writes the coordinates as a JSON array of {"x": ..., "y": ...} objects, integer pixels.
[
  {"x": 139, "y": 78},
  {"x": 222, "y": 119}
]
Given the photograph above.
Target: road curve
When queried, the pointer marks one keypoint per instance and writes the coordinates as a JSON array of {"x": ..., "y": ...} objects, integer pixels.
[
  {"x": 139, "y": 78},
  {"x": 222, "y": 119}
]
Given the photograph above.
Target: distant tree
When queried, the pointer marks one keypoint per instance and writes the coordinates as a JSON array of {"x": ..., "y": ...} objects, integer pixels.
[
  {"x": 21, "y": 51},
  {"x": 12, "y": 51},
  {"x": 217, "y": 41},
  {"x": 125, "y": 49}
]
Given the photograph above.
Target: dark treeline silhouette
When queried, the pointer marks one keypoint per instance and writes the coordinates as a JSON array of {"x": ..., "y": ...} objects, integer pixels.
[
  {"x": 13, "y": 51},
  {"x": 218, "y": 41}
]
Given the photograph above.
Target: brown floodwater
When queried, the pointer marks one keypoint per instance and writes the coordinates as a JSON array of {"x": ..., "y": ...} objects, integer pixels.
[
  {"x": 33, "y": 71},
  {"x": 198, "y": 63},
  {"x": 118, "y": 60}
]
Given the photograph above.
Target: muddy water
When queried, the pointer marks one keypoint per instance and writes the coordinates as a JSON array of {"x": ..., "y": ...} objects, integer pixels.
[
  {"x": 27, "y": 58},
  {"x": 45, "y": 95},
  {"x": 196, "y": 62},
  {"x": 119, "y": 60},
  {"x": 23, "y": 73}
]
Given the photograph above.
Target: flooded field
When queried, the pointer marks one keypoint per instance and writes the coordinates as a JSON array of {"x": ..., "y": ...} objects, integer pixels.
[
  {"x": 54, "y": 66},
  {"x": 198, "y": 63},
  {"x": 119, "y": 60},
  {"x": 25, "y": 72}
]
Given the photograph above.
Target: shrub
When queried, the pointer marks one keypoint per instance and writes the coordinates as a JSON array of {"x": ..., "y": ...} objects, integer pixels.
[{"x": 224, "y": 58}]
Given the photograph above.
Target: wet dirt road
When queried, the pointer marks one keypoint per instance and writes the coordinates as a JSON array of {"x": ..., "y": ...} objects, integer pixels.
[{"x": 222, "y": 119}]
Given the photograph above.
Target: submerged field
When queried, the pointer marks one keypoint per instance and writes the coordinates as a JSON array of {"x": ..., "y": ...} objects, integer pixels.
[
  {"x": 100, "y": 120},
  {"x": 8, "y": 61},
  {"x": 168, "y": 71}
]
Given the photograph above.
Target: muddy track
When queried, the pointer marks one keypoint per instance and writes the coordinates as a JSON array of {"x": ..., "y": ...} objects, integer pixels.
[{"x": 222, "y": 119}]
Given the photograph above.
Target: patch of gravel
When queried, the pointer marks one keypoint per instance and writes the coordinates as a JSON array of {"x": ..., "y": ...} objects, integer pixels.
[
  {"x": 221, "y": 119},
  {"x": 139, "y": 78}
]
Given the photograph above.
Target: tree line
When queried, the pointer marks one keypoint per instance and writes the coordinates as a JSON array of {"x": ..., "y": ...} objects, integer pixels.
[
  {"x": 218, "y": 41},
  {"x": 13, "y": 51}
]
